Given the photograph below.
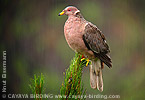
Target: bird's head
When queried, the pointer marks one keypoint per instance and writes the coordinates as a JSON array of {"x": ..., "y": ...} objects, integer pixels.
[{"x": 70, "y": 10}]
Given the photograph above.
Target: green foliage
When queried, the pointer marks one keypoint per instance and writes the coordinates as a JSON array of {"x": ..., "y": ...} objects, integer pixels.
[
  {"x": 37, "y": 86},
  {"x": 72, "y": 87}
]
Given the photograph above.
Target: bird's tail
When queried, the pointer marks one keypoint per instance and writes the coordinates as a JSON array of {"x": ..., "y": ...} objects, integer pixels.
[{"x": 96, "y": 80}]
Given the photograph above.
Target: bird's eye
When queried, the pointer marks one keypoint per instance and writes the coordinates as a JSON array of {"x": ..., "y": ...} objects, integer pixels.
[{"x": 69, "y": 9}]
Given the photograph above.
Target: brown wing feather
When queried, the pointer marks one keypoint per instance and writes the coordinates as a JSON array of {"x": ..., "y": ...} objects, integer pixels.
[{"x": 95, "y": 41}]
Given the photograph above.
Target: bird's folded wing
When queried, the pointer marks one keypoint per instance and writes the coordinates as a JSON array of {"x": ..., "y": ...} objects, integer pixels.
[{"x": 95, "y": 41}]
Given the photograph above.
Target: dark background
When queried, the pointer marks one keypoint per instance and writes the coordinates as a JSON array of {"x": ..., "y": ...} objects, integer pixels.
[{"x": 32, "y": 34}]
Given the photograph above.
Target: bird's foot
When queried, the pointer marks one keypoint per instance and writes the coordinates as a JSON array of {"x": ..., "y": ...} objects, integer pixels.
[
  {"x": 87, "y": 62},
  {"x": 83, "y": 59},
  {"x": 86, "y": 59}
]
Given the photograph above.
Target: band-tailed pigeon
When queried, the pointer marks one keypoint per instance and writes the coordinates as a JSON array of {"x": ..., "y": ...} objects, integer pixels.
[{"x": 85, "y": 38}]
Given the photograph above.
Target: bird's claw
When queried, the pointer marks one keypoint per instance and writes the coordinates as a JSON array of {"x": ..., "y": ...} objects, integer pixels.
[
  {"x": 87, "y": 61},
  {"x": 82, "y": 59}
]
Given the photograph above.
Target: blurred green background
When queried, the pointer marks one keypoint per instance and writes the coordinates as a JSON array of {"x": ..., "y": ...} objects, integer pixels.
[{"x": 32, "y": 34}]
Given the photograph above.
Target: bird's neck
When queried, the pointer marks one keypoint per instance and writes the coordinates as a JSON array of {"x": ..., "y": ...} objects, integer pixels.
[{"x": 77, "y": 17}]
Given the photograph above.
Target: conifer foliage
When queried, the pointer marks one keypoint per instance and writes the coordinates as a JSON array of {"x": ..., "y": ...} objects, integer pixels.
[{"x": 72, "y": 86}]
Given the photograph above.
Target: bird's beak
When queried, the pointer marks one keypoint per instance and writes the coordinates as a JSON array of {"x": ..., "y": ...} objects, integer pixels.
[{"x": 62, "y": 13}]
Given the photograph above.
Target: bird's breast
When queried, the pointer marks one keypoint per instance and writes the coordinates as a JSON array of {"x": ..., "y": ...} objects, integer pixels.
[{"x": 73, "y": 31}]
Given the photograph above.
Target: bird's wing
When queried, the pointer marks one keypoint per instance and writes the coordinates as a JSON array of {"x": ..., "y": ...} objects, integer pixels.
[{"x": 95, "y": 41}]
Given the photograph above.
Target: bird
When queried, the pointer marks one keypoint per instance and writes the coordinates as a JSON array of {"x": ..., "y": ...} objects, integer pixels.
[{"x": 85, "y": 38}]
